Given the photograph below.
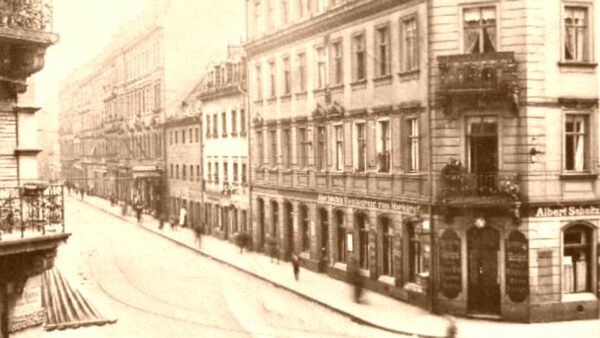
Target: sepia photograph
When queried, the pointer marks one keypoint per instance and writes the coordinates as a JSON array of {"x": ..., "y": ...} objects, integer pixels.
[{"x": 299, "y": 168}]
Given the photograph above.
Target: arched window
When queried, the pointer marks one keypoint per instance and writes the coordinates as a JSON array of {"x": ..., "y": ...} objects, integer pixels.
[
  {"x": 363, "y": 240},
  {"x": 387, "y": 246},
  {"x": 341, "y": 235},
  {"x": 305, "y": 227},
  {"x": 577, "y": 262}
]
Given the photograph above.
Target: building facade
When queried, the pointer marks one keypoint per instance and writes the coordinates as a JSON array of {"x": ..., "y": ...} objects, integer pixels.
[
  {"x": 448, "y": 148},
  {"x": 338, "y": 104},
  {"x": 225, "y": 146}
]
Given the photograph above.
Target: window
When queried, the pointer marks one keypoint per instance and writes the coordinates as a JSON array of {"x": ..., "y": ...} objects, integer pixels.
[
  {"x": 207, "y": 126},
  {"x": 339, "y": 147},
  {"x": 576, "y": 39},
  {"x": 177, "y": 171},
  {"x": 382, "y": 51},
  {"x": 577, "y": 261},
  {"x": 224, "y": 124},
  {"x": 341, "y": 236},
  {"x": 363, "y": 241},
  {"x": 321, "y": 67},
  {"x": 286, "y": 76},
  {"x": 259, "y": 89},
  {"x": 235, "y": 172},
  {"x": 183, "y": 136},
  {"x": 191, "y": 172},
  {"x": 225, "y": 171},
  {"x": 305, "y": 228},
  {"x": 260, "y": 146},
  {"x": 217, "y": 172},
  {"x": 337, "y": 63},
  {"x": 190, "y": 136},
  {"x": 270, "y": 15},
  {"x": 304, "y": 145},
  {"x": 359, "y": 67},
  {"x": 387, "y": 244},
  {"x": 197, "y": 134},
  {"x": 479, "y": 30},
  {"x": 273, "y": 148},
  {"x": 410, "y": 52},
  {"x": 215, "y": 125},
  {"x": 244, "y": 180},
  {"x": 157, "y": 97},
  {"x": 417, "y": 255},
  {"x": 234, "y": 122},
  {"x": 284, "y": 12},
  {"x": 198, "y": 172},
  {"x": 321, "y": 155},
  {"x": 383, "y": 146},
  {"x": 576, "y": 143},
  {"x": 272, "y": 84},
  {"x": 209, "y": 172},
  {"x": 242, "y": 120},
  {"x": 413, "y": 144},
  {"x": 256, "y": 17},
  {"x": 171, "y": 171},
  {"x": 301, "y": 62},
  {"x": 299, "y": 8},
  {"x": 171, "y": 138},
  {"x": 287, "y": 148},
  {"x": 361, "y": 148},
  {"x": 176, "y": 136},
  {"x": 183, "y": 172}
]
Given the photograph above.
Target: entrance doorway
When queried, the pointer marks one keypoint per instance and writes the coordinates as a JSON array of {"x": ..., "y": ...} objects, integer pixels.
[{"x": 483, "y": 245}]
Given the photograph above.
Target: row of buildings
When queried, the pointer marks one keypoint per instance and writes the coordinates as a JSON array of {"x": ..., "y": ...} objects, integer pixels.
[{"x": 449, "y": 148}]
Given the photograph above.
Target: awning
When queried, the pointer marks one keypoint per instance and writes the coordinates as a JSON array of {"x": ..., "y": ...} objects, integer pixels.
[{"x": 65, "y": 307}]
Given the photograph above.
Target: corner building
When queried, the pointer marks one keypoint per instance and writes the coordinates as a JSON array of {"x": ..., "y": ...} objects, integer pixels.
[{"x": 338, "y": 98}]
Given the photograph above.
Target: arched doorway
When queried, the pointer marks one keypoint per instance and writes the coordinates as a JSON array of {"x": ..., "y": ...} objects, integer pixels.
[
  {"x": 324, "y": 245},
  {"x": 483, "y": 245},
  {"x": 288, "y": 227},
  {"x": 261, "y": 221}
]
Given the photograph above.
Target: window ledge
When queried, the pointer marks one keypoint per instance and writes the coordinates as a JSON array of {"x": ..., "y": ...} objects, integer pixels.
[
  {"x": 271, "y": 99},
  {"x": 364, "y": 272},
  {"x": 387, "y": 280},
  {"x": 336, "y": 88},
  {"x": 258, "y": 101},
  {"x": 580, "y": 65},
  {"x": 578, "y": 176},
  {"x": 299, "y": 95},
  {"x": 383, "y": 80},
  {"x": 359, "y": 84},
  {"x": 273, "y": 170},
  {"x": 409, "y": 75},
  {"x": 319, "y": 91},
  {"x": 242, "y": 134},
  {"x": 414, "y": 287},
  {"x": 579, "y": 297},
  {"x": 286, "y": 97},
  {"x": 234, "y": 134},
  {"x": 287, "y": 171},
  {"x": 340, "y": 266},
  {"x": 302, "y": 171}
]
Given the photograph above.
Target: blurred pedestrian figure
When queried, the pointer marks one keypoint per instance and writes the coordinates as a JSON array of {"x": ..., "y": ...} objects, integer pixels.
[
  {"x": 138, "y": 211},
  {"x": 354, "y": 279},
  {"x": 182, "y": 216},
  {"x": 272, "y": 247},
  {"x": 198, "y": 233},
  {"x": 451, "y": 329},
  {"x": 161, "y": 220},
  {"x": 296, "y": 265},
  {"x": 173, "y": 221}
]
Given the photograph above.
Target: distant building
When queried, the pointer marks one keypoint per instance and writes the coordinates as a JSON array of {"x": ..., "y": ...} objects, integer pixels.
[{"x": 225, "y": 145}]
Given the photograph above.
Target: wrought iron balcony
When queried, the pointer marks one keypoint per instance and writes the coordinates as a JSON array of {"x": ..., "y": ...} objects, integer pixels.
[
  {"x": 475, "y": 77},
  {"x": 478, "y": 188},
  {"x": 31, "y": 211},
  {"x": 34, "y": 15}
]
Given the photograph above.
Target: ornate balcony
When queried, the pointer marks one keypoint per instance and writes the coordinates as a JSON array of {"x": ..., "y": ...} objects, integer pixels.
[
  {"x": 469, "y": 79},
  {"x": 25, "y": 34},
  {"x": 33, "y": 210}
]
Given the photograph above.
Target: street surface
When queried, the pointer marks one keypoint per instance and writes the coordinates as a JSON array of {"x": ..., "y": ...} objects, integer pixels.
[{"x": 158, "y": 289}]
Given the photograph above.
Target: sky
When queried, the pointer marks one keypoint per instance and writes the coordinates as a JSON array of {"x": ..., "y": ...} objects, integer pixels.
[{"x": 84, "y": 28}]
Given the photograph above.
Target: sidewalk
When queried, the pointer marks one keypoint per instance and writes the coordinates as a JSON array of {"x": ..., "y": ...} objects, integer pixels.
[{"x": 379, "y": 311}]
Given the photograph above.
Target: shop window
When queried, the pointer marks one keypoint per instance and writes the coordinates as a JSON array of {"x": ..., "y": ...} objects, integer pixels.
[
  {"x": 305, "y": 228},
  {"x": 576, "y": 143},
  {"x": 387, "y": 246},
  {"x": 417, "y": 251},
  {"x": 479, "y": 30},
  {"x": 363, "y": 240},
  {"x": 234, "y": 220},
  {"x": 341, "y": 235},
  {"x": 577, "y": 264},
  {"x": 576, "y": 36},
  {"x": 321, "y": 154}
]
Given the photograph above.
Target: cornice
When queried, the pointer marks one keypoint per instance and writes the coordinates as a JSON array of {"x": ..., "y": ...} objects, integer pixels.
[{"x": 320, "y": 23}]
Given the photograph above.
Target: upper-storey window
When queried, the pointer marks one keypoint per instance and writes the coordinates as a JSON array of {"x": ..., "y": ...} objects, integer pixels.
[
  {"x": 359, "y": 64},
  {"x": 321, "y": 149},
  {"x": 382, "y": 51},
  {"x": 233, "y": 122},
  {"x": 284, "y": 11},
  {"x": 257, "y": 71},
  {"x": 361, "y": 147},
  {"x": 215, "y": 126},
  {"x": 207, "y": 126},
  {"x": 383, "y": 146},
  {"x": 299, "y": 8},
  {"x": 410, "y": 50},
  {"x": 321, "y": 67},
  {"x": 576, "y": 143},
  {"x": 242, "y": 120},
  {"x": 224, "y": 123},
  {"x": 413, "y": 144},
  {"x": 301, "y": 62},
  {"x": 286, "y": 76},
  {"x": 270, "y": 15},
  {"x": 576, "y": 39},
  {"x": 480, "y": 30},
  {"x": 256, "y": 17},
  {"x": 272, "y": 84},
  {"x": 337, "y": 70},
  {"x": 339, "y": 147}
]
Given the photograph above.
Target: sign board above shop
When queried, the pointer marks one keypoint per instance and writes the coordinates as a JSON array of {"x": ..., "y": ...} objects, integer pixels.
[
  {"x": 369, "y": 203},
  {"x": 565, "y": 210}
]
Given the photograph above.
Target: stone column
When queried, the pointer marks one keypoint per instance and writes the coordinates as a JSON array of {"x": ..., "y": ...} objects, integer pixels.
[
  {"x": 331, "y": 245},
  {"x": 281, "y": 230}
]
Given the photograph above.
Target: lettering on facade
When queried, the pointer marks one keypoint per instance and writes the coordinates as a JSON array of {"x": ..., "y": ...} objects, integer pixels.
[
  {"x": 517, "y": 267},
  {"x": 450, "y": 264},
  {"x": 590, "y": 210},
  {"x": 369, "y": 203}
]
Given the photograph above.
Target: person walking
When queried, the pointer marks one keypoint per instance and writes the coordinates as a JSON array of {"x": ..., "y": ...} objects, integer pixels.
[
  {"x": 198, "y": 233},
  {"x": 182, "y": 216},
  {"x": 296, "y": 265},
  {"x": 137, "y": 205},
  {"x": 354, "y": 279}
]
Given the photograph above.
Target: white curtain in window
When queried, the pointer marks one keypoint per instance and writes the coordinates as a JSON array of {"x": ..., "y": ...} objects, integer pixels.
[{"x": 579, "y": 158}]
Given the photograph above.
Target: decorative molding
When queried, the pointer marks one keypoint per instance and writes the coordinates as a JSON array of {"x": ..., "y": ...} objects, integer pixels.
[
  {"x": 577, "y": 103},
  {"x": 27, "y": 152}
]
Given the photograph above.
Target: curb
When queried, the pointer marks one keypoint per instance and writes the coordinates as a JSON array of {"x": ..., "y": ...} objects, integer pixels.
[{"x": 352, "y": 317}]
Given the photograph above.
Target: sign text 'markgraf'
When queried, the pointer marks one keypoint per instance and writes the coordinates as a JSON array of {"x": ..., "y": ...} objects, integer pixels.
[{"x": 369, "y": 203}]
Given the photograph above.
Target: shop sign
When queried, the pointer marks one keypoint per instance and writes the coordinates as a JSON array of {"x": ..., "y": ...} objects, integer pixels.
[
  {"x": 517, "y": 267},
  {"x": 566, "y": 211},
  {"x": 369, "y": 203},
  {"x": 450, "y": 264}
]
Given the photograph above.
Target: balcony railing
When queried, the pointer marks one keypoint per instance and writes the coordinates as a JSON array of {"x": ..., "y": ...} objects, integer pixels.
[
  {"x": 456, "y": 187},
  {"x": 33, "y": 15},
  {"x": 30, "y": 211}
]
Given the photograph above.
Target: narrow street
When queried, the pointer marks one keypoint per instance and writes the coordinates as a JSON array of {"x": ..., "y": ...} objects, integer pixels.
[{"x": 157, "y": 289}]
